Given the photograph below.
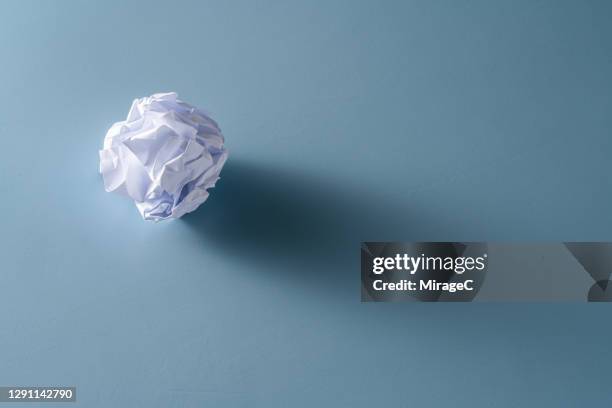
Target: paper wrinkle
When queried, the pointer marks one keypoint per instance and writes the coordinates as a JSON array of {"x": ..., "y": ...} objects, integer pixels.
[{"x": 164, "y": 156}]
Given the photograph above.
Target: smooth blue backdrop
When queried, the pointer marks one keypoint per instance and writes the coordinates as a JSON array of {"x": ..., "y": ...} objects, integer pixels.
[{"x": 346, "y": 121}]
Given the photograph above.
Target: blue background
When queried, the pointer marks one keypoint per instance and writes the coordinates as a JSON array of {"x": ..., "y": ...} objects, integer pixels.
[{"x": 346, "y": 121}]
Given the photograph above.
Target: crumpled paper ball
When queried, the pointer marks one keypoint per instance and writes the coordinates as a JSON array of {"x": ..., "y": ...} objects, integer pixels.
[{"x": 164, "y": 156}]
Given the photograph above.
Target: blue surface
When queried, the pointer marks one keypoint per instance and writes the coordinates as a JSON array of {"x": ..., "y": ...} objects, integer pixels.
[{"x": 346, "y": 121}]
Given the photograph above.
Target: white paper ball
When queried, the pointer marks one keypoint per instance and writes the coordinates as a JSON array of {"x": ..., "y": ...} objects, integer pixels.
[{"x": 164, "y": 156}]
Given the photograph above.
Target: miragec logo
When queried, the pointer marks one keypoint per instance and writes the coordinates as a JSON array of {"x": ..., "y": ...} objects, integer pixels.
[{"x": 413, "y": 264}]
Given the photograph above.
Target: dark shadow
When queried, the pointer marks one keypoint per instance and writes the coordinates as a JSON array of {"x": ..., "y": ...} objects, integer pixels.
[{"x": 281, "y": 220}]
